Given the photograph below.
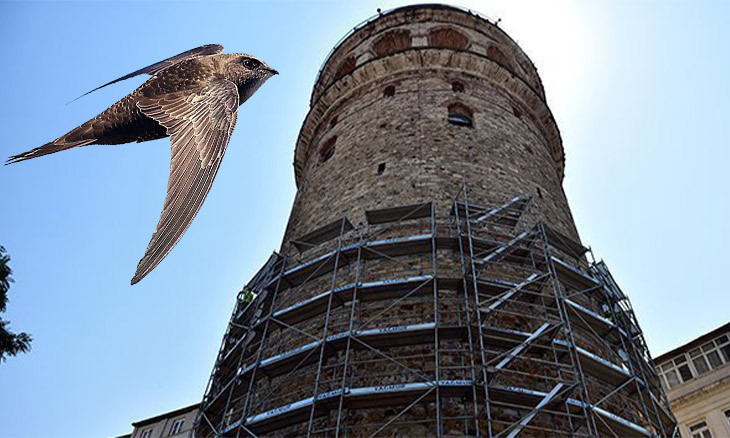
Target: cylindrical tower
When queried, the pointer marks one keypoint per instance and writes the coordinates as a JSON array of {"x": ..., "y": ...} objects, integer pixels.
[
  {"x": 431, "y": 280},
  {"x": 417, "y": 102}
]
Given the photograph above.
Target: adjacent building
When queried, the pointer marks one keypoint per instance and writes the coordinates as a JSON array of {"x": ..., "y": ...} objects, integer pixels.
[
  {"x": 173, "y": 424},
  {"x": 696, "y": 376}
]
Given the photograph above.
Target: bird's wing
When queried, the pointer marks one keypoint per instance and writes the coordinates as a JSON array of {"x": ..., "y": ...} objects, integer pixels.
[
  {"x": 208, "y": 49},
  {"x": 200, "y": 125}
]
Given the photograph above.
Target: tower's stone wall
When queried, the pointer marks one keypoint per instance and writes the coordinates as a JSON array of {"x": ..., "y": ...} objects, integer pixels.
[{"x": 513, "y": 147}]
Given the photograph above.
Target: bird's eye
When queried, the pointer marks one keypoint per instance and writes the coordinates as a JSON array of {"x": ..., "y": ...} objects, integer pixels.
[{"x": 251, "y": 63}]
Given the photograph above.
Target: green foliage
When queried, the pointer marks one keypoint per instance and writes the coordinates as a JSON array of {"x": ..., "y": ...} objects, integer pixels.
[{"x": 10, "y": 343}]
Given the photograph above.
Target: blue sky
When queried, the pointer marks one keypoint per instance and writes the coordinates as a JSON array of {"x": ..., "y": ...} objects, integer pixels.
[{"x": 639, "y": 89}]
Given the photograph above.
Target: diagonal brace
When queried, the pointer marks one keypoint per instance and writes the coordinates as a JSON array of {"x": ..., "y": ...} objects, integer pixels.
[
  {"x": 510, "y": 293},
  {"x": 499, "y": 252},
  {"x": 544, "y": 329},
  {"x": 559, "y": 392},
  {"x": 495, "y": 211}
]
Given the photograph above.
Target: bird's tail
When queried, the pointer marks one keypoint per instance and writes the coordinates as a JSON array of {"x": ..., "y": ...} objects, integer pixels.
[{"x": 71, "y": 140}]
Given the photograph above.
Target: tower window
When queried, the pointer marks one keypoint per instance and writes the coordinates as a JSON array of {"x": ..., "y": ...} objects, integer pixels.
[
  {"x": 539, "y": 192},
  {"x": 447, "y": 39},
  {"x": 381, "y": 168},
  {"x": 327, "y": 150},
  {"x": 457, "y": 87},
  {"x": 333, "y": 121},
  {"x": 392, "y": 42},
  {"x": 516, "y": 112},
  {"x": 389, "y": 91},
  {"x": 460, "y": 115}
]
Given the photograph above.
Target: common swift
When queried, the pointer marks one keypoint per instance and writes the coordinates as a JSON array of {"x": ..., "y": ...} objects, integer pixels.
[{"x": 193, "y": 98}]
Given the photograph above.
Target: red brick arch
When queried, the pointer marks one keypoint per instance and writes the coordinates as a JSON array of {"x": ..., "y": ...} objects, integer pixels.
[
  {"x": 447, "y": 38},
  {"x": 392, "y": 42}
]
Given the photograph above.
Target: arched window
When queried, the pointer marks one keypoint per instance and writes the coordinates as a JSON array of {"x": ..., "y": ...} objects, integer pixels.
[
  {"x": 327, "y": 150},
  {"x": 447, "y": 39},
  {"x": 333, "y": 121},
  {"x": 460, "y": 115},
  {"x": 457, "y": 87},
  {"x": 346, "y": 67},
  {"x": 389, "y": 91},
  {"x": 392, "y": 42}
]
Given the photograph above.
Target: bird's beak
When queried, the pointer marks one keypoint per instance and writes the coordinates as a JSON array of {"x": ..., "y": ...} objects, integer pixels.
[{"x": 273, "y": 72}]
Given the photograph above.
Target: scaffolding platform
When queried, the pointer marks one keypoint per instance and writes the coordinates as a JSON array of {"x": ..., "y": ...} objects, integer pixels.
[
  {"x": 573, "y": 277},
  {"x": 528, "y": 398},
  {"x": 322, "y": 234},
  {"x": 563, "y": 243},
  {"x": 325, "y": 263},
  {"x": 355, "y": 398},
  {"x": 374, "y": 290},
  {"x": 404, "y": 393},
  {"x": 536, "y": 336},
  {"x": 593, "y": 322},
  {"x": 400, "y": 213}
]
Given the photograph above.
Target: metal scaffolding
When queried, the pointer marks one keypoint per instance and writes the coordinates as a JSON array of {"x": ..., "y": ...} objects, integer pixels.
[{"x": 483, "y": 322}]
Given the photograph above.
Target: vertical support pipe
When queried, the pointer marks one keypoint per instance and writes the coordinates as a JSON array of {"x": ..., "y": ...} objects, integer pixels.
[
  {"x": 350, "y": 331},
  {"x": 465, "y": 290},
  {"x": 262, "y": 344},
  {"x": 437, "y": 322},
  {"x": 477, "y": 305},
  {"x": 569, "y": 331},
  {"x": 323, "y": 340}
]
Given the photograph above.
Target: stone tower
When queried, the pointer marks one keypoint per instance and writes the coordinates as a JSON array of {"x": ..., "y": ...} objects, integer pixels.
[{"x": 431, "y": 280}]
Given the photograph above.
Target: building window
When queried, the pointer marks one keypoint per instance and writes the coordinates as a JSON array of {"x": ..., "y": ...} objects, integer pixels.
[
  {"x": 676, "y": 372},
  {"x": 147, "y": 433},
  {"x": 457, "y": 87},
  {"x": 447, "y": 39},
  {"x": 700, "y": 430},
  {"x": 516, "y": 112},
  {"x": 176, "y": 426},
  {"x": 381, "y": 168},
  {"x": 698, "y": 361},
  {"x": 333, "y": 122},
  {"x": 460, "y": 115},
  {"x": 711, "y": 355},
  {"x": 327, "y": 150},
  {"x": 392, "y": 42},
  {"x": 724, "y": 345},
  {"x": 389, "y": 91}
]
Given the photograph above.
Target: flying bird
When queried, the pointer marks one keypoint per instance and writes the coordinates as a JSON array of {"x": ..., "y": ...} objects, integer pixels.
[{"x": 193, "y": 98}]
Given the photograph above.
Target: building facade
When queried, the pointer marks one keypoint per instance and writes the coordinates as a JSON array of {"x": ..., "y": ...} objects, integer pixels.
[
  {"x": 174, "y": 424},
  {"x": 431, "y": 280},
  {"x": 696, "y": 376}
]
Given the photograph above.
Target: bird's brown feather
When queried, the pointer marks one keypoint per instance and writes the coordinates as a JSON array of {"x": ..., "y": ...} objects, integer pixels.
[{"x": 200, "y": 124}]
